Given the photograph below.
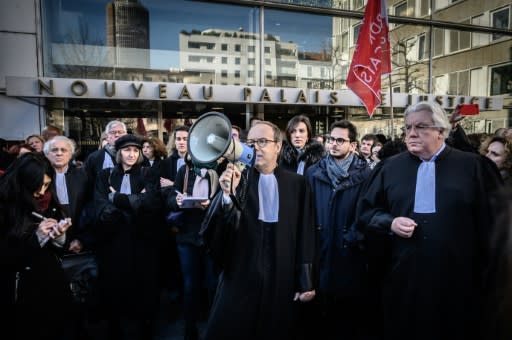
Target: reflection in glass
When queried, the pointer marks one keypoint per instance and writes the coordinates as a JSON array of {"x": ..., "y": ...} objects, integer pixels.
[{"x": 140, "y": 40}]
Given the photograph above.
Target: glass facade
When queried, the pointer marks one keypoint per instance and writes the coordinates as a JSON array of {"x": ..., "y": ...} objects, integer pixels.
[{"x": 448, "y": 49}]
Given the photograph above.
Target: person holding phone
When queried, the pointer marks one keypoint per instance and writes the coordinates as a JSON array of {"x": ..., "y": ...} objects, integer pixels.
[
  {"x": 199, "y": 182},
  {"x": 33, "y": 229}
]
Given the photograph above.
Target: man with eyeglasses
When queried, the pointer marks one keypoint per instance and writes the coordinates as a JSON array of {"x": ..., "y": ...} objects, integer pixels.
[
  {"x": 264, "y": 246},
  {"x": 336, "y": 181},
  {"x": 71, "y": 186},
  {"x": 106, "y": 157},
  {"x": 433, "y": 201}
]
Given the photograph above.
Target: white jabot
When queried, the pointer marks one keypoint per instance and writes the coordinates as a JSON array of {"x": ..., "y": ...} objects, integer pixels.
[
  {"x": 179, "y": 163},
  {"x": 126, "y": 187},
  {"x": 300, "y": 168},
  {"x": 268, "y": 194},
  {"x": 107, "y": 161},
  {"x": 425, "y": 197},
  {"x": 62, "y": 189}
]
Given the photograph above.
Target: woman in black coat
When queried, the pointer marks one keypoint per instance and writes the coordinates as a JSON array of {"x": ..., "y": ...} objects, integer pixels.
[
  {"x": 300, "y": 150},
  {"x": 34, "y": 293},
  {"x": 127, "y": 206}
]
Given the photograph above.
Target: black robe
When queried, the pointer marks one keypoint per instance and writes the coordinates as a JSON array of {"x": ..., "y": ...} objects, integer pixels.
[
  {"x": 127, "y": 233},
  {"x": 263, "y": 264},
  {"x": 434, "y": 287}
]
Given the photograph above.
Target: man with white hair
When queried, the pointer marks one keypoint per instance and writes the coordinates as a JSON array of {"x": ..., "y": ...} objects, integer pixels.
[
  {"x": 105, "y": 157},
  {"x": 433, "y": 201},
  {"x": 71, "y": 186}
]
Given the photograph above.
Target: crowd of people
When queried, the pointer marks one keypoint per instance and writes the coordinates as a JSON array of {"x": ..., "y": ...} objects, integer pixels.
[{"x": 334, "y": 236}]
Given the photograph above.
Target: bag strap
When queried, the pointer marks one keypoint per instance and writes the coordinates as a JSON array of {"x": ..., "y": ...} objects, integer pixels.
[{"x": 185, "y": 181}]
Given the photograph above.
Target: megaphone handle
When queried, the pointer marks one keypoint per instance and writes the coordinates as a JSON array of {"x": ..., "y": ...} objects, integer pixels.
[{"x": 228, "y": 184}]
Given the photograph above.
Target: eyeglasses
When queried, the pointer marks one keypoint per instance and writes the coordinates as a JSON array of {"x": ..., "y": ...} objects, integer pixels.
[
  {"x": 421, "y": 128},
  {"x": 116, "y": 132},
  {"x": 339, "y": 141},
  {"x": 261, "y": 142},
  {"x": 55, "y": 150}
]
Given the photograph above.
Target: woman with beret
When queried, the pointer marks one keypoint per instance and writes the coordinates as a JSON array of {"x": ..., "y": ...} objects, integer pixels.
[{"x": 127, "y": 203}]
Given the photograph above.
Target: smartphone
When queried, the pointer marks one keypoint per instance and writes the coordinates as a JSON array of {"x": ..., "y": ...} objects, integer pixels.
[{"x": 469, "y": 109}]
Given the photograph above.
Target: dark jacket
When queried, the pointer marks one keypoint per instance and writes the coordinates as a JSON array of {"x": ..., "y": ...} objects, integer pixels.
[
  {"x": 192, "y": 217},
  {"x": 80, "y": 198},
  {"x": 168, "y": 166},
  {"x": 127, "y": 233},
  {"x": 290, "y": 159},
  {"x": 263, "y": 264},
  {"x": 436, "y": 276},
  {"x": 93, "y": 164},
  {"x": 42, "y": 288},
  {"x": 342, "y": 267}
]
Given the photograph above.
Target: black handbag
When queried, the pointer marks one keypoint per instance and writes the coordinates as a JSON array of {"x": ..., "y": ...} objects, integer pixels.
[{"x": 81, "y": 270}]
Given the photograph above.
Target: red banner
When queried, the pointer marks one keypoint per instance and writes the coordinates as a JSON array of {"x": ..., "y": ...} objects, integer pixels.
[{"x": 372, "y": 56}]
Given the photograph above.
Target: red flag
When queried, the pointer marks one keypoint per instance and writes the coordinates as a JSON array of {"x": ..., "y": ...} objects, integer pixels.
[{"x": 372, "y": 56}]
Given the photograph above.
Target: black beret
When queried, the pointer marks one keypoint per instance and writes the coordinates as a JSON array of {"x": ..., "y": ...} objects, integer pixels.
[{"x": 128, "y": 140}]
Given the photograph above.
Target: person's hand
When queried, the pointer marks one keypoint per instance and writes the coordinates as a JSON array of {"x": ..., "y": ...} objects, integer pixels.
[
  {"x": 45, "y": 227},
  {"x": 60, "y": 228},
  {"x": 75, "y": 246},
  {"x": 164, "y": 182},
  {"x": 456, "y": 117},
  {"x": 230, "y": 178},
  {"x": 179, "y": 198},
  {"x": 305, "y": 296},
  {"x": 403, "y": 226}
]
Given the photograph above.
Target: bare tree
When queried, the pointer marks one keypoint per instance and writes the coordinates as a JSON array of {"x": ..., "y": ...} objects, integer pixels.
[
  {"x": 81, "y": 56},
  {"x": 409, "y": 70}
]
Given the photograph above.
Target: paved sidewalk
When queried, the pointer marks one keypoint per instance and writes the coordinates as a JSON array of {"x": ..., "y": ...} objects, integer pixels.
[{"x": 170, "y": 324}]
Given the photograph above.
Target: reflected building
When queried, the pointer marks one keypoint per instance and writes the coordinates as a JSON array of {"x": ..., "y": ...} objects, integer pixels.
[
  {"x": 128, "y": 34},
  {"x": 232, "y": 57}
]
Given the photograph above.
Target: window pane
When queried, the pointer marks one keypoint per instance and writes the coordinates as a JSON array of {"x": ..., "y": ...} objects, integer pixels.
[
  {"x": 479, "y": 39},
  {"x": 464, "y": 83},
  {"x": 438, "y": 42},
  {"x": 477, "y": 79},
  {"x": 500, "y": 19}
]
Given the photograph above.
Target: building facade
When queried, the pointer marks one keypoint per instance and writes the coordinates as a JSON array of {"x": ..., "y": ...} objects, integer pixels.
[{"x": 79, "y": 63}]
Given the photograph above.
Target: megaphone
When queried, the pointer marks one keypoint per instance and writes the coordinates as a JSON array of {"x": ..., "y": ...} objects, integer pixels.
[{"x": 209, "y": 139}]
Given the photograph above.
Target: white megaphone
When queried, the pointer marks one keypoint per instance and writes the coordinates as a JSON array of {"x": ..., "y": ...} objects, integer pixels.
[{"x": 209, "y": 139}]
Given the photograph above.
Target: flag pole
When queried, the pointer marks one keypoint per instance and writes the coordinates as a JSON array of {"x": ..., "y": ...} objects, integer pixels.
[{"x": 391, "y": 107}]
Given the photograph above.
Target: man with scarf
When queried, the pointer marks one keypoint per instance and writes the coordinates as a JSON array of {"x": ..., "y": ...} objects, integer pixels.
[{"x": 336, "y": 182}]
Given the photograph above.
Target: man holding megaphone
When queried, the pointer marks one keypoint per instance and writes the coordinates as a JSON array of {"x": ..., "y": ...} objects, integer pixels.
[{"x": 265, "y": 249}]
